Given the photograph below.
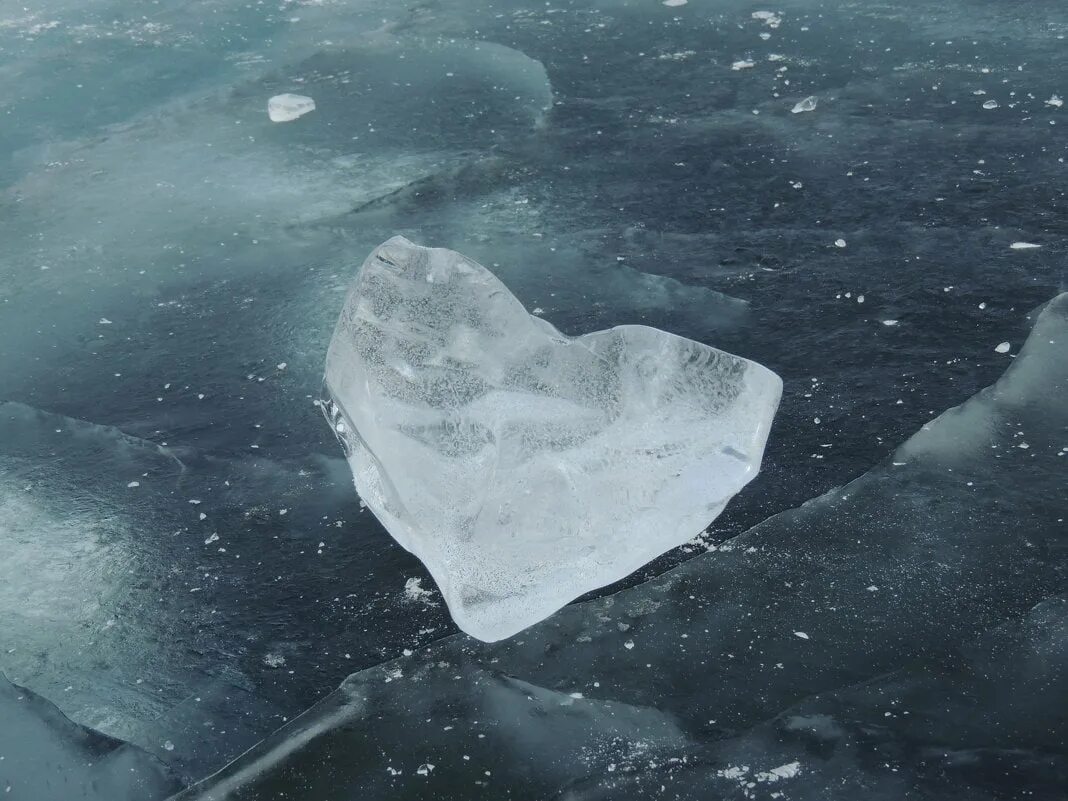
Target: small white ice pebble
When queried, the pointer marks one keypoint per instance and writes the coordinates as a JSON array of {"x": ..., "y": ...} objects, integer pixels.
[
  {"x": 889, "y": 322},
  {"x": 801, "y": 634},
  {"x": 675, "y": 3},
  {"x": 1055, "y": 101},
  {"x": 744, "y": 64},
  {"x": 1002, "y": 348},
  {"x": 990, "y": 104},
  {"x": 288, "y": 107},
  {"x": 839, "y": 243},
  {"x": 1024, "y": 246},
  {"x": 134, "y": 484},
  {"x": 808, "y": 104}
]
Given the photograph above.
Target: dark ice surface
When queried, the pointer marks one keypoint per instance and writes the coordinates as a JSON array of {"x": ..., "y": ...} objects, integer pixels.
[
  {"x": 184, "y": 564},
  {"x": 902, "y": 633}
]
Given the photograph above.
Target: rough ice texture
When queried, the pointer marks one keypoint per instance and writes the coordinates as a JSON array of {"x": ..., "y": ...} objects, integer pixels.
[
  {"x": 522, "y": 466},
  {"x": 287, "y": 107}
]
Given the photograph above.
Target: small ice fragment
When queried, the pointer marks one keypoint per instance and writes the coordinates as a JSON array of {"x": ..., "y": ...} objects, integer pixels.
[
  {"x": 808, "y": 104},
  {"x": 839, "y": 243},
  {"x": 104, "y": 321},
  {"x": 629, "y": 644},
  {"x": 213, "y": 538},
  {"x": 1055, "y": 101},
  {"x": 274, "y": 660},
  {"x": 203, "y": 516},
  {"x": 744, "y": 64},
  {"x": 860, "y": 298},
  {"x": 1002, "y": 347},
  {"x": 1024, "y": 246},
  {"x": 413, "y": 589},
  {"x": 769, "y": 18},
  {"x": 872, "y": 588},
  {"x": 801, "y": 634},
  {"x": 281, "y": 365},
  {"x": 990, "y": 104},
  {"x": 288, "y": 107},
  {"x": 424, "y": 769},
  {"x": 168, "y": 745},
  {"x": 889, "y": 322},
  {"x": 134, "y": 484},
  {"x": 982, "y": 305}
]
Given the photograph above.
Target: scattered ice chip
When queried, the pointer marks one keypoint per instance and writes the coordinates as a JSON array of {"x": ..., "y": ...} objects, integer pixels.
[
  {"x": 104, "y": 321},
  {"x": 274, "y": 660},
  {"x": 134, "y": 484},
  {"x": 808, "y": 104},
  {"x": 538, "y": 466},
  {"x": 989, "y": 104},
  {"x": 744, "y": 64},
  {"x": 769, "y": 18},
  {"x": 211, "y": 539},
  {"x": 288, "y": 107},
  {"x": 629, "y": 644},
  {"x": 1024, "y": 246},
  {"x": 413, "y": 590},
  {"x": 801, "y": 634},
  {"x": 839, "y": 243},
  {"x": 281, "y": 365},
  {"x": 1055, "y": 101},
  {"x": 889, "y": 322},
  {"x": 1002, "y": 347}
]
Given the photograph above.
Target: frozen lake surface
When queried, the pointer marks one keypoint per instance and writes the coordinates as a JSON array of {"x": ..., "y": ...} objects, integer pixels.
[{"x": 867, "y": 198}]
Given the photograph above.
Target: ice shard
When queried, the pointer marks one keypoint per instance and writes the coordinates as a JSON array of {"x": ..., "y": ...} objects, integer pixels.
[
  {"x": 44, "y": 756},
  {"x": 522, "y": 466}
]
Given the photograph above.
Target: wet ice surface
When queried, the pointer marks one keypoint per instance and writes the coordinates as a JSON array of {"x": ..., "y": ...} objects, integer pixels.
[
  {"x": 523, "y": 467},
  {"x": 606, "y": 162}
]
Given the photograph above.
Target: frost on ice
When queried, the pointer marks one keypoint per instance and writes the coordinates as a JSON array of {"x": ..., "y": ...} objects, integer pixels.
[
  {"x": 522, "y": 466},
  {"x": 287, "y": 107}
]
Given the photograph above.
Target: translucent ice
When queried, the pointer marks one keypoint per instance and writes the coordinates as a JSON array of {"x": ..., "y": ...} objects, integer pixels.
[
  {"x": 525, "y": 467},
  {"x": 808, "y": 104},
  {"x": 287, "y": 107}
]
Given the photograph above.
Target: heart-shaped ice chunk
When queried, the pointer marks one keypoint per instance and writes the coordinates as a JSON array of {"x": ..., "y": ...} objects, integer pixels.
[{"x": 522, "y": 466}]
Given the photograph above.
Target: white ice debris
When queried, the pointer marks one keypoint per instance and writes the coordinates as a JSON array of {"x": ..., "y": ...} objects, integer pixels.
[
  {"x": 989, "y": 104},
  {"x": 769, "y": 18},
  {"x": 274, "y": 660},
  {"x": 1002, "y": 347},
  {"x": 801, "y": 634},
  {"x": 744, "y": 64},
  {"x": 1024, "y": 246},
  {"x": 787, "y": 771},
  {"x": 1055, "y": 101},
  {"x": 413, "y": 590},
  {"x": 674, "y": 3},
  {"x": 288, "y": 107},
  {"x": 808, "y": 104},
  {"x": 889, "y": 322},
  {"x": 522, "y": 466},
  {"x": 839, "y": 243}
]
